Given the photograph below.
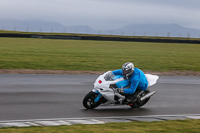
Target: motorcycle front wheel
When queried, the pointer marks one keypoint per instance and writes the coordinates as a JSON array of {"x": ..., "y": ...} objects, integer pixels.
[{"x": 88, "y": 101}]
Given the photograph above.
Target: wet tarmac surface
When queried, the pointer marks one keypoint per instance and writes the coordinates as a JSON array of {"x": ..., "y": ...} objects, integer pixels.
[{"x": 40, "y": 96}]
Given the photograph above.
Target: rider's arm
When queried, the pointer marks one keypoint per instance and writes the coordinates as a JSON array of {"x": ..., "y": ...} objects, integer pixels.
[
  {"x": 117, "y": 72},
  {"x": 132, "y": 88},
  {"x": 134, "y": 84}
]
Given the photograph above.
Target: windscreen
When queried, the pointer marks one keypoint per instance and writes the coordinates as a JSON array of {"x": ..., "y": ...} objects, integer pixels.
[{"x": 109, "y": 76}]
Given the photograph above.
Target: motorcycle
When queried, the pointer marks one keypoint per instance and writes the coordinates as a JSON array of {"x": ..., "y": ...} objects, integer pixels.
[{"x": 104, "y": 92}]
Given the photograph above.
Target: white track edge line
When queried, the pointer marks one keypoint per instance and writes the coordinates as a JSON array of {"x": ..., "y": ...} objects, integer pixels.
[{"x": 113, "y": 117}]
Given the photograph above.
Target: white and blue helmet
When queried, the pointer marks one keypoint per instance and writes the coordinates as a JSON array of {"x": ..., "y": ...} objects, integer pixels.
[{"x": 127, "y": 69}]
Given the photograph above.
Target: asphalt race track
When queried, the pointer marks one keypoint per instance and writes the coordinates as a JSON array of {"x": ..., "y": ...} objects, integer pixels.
[{"x": 38, "y": 96}]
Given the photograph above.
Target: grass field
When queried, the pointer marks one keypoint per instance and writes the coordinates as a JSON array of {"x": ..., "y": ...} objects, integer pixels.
[
  {"x": 26, "y": 53},
  {"x": 175, "y": 126}
]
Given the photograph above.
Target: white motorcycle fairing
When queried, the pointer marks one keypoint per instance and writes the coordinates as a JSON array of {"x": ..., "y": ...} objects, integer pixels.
[{"x": 103, "y": 86}]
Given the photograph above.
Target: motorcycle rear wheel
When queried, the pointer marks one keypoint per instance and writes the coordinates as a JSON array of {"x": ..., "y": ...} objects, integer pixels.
[
  {"x": 140, "y": 104},
  {"x": 88, "y": 101}
]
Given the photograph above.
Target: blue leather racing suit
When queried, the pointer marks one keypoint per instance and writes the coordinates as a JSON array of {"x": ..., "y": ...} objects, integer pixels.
[{"x": 137, "y": 80}]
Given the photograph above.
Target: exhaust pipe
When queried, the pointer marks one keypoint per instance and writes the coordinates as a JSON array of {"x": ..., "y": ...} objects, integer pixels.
[{"x": 147, "y": 95}]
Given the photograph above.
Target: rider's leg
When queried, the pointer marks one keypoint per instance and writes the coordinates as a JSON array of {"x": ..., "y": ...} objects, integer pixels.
[{"x": 131, "y": 98}]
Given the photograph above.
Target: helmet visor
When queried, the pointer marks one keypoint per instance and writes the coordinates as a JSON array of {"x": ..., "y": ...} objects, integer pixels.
[{"x": 126, "y": 72}]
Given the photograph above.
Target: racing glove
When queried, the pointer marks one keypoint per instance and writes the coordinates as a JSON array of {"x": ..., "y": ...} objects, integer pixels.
[{"x": 119, "y": 90}]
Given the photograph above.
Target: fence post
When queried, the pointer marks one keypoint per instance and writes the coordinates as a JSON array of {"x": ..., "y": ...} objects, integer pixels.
[
  {"x": 180, "y": 35},
  {"x": 188, "y": 35},
  {"x": 27, "y": 29},
  {"x": 111, "y": 32},
  {"x": 122, "y": 33},
  {"x": 168, "y": 34},
  {"x": 75, "y": 30},
  {"x": 64, "y": 30}
]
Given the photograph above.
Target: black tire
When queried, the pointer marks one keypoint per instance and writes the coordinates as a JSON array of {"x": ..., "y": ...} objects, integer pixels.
[
  {"x": 88, "y": 101},
  {"x": 140, "y": 104}
]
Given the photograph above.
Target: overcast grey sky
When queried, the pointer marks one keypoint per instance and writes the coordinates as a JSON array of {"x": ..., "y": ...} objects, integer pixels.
[{"x": 104, "y": 14}]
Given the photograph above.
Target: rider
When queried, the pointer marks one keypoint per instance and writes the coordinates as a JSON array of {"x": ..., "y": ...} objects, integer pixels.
[{"x": 137, "y": 79}]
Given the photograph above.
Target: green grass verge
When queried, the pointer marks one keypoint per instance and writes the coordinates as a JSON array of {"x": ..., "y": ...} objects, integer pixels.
[
  {"x": 175, "y": 126},
  {"x": 29, "y": 53}
]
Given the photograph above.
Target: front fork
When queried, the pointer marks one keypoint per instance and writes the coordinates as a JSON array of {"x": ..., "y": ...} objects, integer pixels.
[{"x": 98, "y": 97}]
